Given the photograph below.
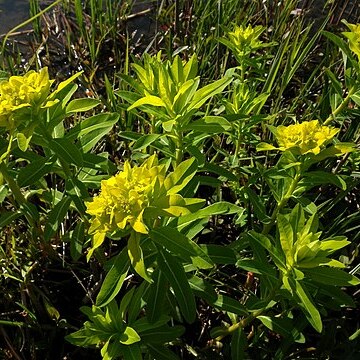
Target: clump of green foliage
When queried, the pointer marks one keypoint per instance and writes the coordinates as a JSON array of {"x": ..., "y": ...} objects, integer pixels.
[{"x": 214, "y": 219}]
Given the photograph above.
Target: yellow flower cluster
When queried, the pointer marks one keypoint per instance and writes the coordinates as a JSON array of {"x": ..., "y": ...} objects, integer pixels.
[
  {"x": 20, "y": 92},
  {"x": 307, "y": 137},
  {"x": 125, "y": 197},
  {"x": 354, "y": 38},
  {"x": 246, "y": 38}
]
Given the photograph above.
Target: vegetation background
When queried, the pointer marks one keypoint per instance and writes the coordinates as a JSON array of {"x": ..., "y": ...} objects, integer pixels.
[{"x": 303, "y": 76}]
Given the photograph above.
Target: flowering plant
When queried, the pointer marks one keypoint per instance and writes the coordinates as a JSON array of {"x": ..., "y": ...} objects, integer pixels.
[
  {"x": 246, "y": 39},
  {"x": 19, "y": 92},
  {"x": 23, "y": 104},
  {"x": 354, "y": 37},
  {"x": 309, "y": 137},
  {"x": 134, "y": 199}
]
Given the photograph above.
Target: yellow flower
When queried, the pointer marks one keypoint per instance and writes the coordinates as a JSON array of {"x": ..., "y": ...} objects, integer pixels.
[
  {"x": 307, "y": 137},
  {"x": 134, "y": 198},
  {"x": 246, "y": 39},
  {"x": 19, "y": 92},
  {"x": 353, "y": 37}
]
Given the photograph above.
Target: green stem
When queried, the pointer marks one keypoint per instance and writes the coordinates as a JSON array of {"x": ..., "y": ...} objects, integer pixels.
[
  {"x": 341, "y": 107},
  {"x": 179, "y": 147},
  {"x": 249, "y": 319},
  {"x": 280, "y": 205}
]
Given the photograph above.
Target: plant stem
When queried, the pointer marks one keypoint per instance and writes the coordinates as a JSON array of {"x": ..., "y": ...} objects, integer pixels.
[
  {"x": 282, "y": 202},
  {"x": 341, "y": 107},
  {"x": 179, "y": 147},
  {"x": 249, "y": 319}
]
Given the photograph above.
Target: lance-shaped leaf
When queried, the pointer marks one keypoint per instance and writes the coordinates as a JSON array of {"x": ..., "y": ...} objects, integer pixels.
[
  {"x": 286, "y": 234},
  {"x": 114, "y": 279},
  {"x": 67, "y": 151},
  {"x": 181, "y": 176},
  {"x": 56, "y": 216},
  {"x": 179, "y": 244},
  {"x": 156, "y": 296},
  {"x": 331, "y": 276},
  {"x": 136, "y": 256},
  {"x": 175, "y": 274},
  {"x": 147, "y": 100},
  {"x": 35, "y": 171}
]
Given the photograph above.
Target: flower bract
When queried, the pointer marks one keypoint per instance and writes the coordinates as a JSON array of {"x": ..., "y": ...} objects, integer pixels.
[
  {"x": 246, "y": 39},
  {"x": 134, "y": 198},
  {"x": 354, "y": 38},
  {"x": 307, "y": 137},
  {"x": 19, "y": 92}
]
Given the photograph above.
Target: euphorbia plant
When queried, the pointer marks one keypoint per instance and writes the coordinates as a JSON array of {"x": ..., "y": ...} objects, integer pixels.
[{"x": 170, "y": 93}]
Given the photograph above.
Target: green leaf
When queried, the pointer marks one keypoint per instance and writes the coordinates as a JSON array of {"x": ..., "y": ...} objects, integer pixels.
[
  {"x": 144, "y": 141},
  {"x": 238, "y": 344},
  {"x": 256, "y": 267},
  {"x": 218, "y": 208},
  {"x": 202, "y": 289},
  {"x": 67, "y": 151},
  {"x": 209, "y": 125},
  {"x": 131, "y": 352},
  {"x": 99, "y": 162},
  {"x": 142, "y": 324},
  {"x": 283, "y": 327},
  {"x": 23, "y": 141},
  {"x": 34, "y": 171},
  {"x": 331, "y": 276},
  {"x": 340, "y": 43},
  {"x": 355, "y": 335},
  {"x": 265, "y": 147},
  {"x": 333, "y": 244},
  {"x": 77, "y": 190},
  {"x": 156, "y": 296},
  {"x": 356, "y": 98},
  {"x": 286, "y": 238},
  {"x": 159, "y": 352},
  {"x": 136, "y": 256},
  {"x": 7, "y": 217},
  {"x": 216, "y": 169},
  {"x": 258, "y": 206},
  {"x": 79, "y": 105},
  {"x": 336, "y": 84},
  {"x": 205, "y": 93},
  {"x": 114, "y": 279},
  {"x": 124, "y": 304},
  {"x": 129, "y": 336},
  {"x": 147, "y": 100},
  {"x": 314, "y": 178},
  {"x": 179, "y": 244},
  {"x": 55, "y": 217},
  {"x": 219, "y": 254},
  {"x": 162, "y": 334},
  {"x": 265, "y": 242},
  {"x": 77, "y": 241},
  {"x": 51, "y": 310},
  {"x": 310, "y": 311},
  {"x": 180, "y": 177},
  {"x": 175, "y": 274},
  {"x": 229, "y": 304},
  {"x": 137, "y": 304},
  {"x": 92, "y": 129},
  {"x": 97, "y": 124}
]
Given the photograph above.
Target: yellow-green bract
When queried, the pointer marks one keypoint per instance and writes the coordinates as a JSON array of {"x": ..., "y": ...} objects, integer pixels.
[{"x": 307, "y": 137}]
